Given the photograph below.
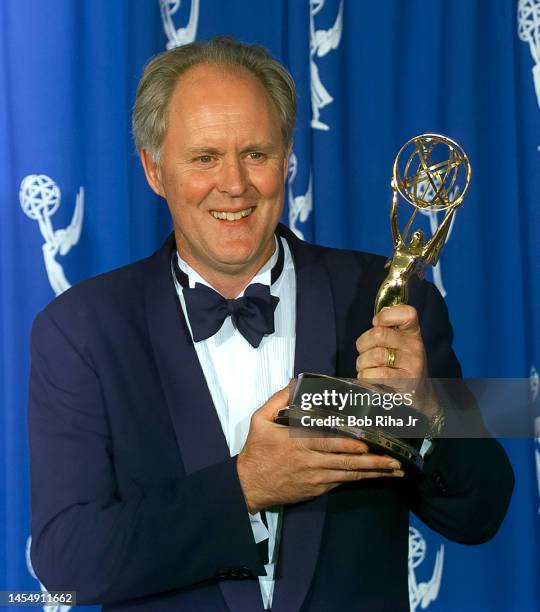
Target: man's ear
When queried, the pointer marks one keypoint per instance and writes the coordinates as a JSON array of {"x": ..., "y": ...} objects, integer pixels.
[{"x": 152, "y": 172}]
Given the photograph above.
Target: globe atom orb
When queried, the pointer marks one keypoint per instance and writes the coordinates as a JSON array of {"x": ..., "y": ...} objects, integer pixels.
[
  {"x": 39, "y": 196},
  {"x": 432, "y": 171}
]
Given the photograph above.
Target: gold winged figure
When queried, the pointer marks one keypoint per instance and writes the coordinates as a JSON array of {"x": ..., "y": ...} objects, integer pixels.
[{"x": 439, "y": 163}]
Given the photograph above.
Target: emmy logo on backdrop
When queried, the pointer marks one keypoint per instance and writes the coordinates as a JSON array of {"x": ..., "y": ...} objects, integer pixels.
[
  {"x": 176, "y": 37},
  {"x": 423, "y": 593},
  {"x": 528, "y": 19},
  {"x": 529, "y": 32},
  {"x": 321, "y": 42},
  {"x": 299, "y": 206},
  {"x": 40, "y": 198}
]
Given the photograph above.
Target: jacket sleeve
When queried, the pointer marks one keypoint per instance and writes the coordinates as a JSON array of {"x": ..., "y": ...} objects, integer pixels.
[
  {"x": 85, "y": 538},
  {"x": 467, "y": 482}
]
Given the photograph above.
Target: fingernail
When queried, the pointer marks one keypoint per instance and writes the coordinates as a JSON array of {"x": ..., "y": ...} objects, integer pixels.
[
  {"x": 394, "y": 465},
  {"x": 399, "y": 473}
]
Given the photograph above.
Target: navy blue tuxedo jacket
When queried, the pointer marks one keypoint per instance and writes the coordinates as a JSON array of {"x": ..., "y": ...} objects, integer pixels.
[{"x": 136, "y": 503}]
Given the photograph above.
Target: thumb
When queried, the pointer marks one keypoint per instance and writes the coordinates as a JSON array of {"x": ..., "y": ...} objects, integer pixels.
[{"x": 279, "y": 400}]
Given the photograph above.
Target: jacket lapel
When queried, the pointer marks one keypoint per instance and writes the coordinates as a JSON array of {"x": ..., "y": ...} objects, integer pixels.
[
  {"x": 199, "y": 435},
  {"x": 315, "y": 352},
  {"x": 315, "y": 317}
]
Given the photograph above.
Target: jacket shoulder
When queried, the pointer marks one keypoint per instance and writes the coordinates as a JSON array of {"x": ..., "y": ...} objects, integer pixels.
[
  {"x": 364, "y": 271},
  {"x": 347, "y": 262},
  {"x": 118, "y": 292},
  {"x": 119, "y": 285},
  {"x": 339, "y": 262},
  {"x": 349, "y": 268}
]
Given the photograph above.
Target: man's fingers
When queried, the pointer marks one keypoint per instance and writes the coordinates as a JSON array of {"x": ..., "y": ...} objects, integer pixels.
[
  {"x": 380, "y": 336},
  {"x": 403, "y": 364},
  {"x": 335, "y": 444},
  {"x": 382, "y": 374},
  {"x": 379, "y": 357},
  {"x": 355, "y": 463},
  {"x": 392, "y": 352},
  {"x": 402, "y": 316},
  {"x": 339, "y": 477}
]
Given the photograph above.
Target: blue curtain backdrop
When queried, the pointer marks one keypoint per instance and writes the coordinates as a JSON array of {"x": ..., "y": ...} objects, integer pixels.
[{"x": 370, "y": 75}]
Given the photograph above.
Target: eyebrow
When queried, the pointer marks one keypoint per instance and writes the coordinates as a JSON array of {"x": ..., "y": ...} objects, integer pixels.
[
  {"x": 203, "y": 151},
  {"x": 266, "y": 147}
]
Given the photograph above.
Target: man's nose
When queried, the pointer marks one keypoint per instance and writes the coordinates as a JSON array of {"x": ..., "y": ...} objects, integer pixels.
[{"x": 232, "y": 178}]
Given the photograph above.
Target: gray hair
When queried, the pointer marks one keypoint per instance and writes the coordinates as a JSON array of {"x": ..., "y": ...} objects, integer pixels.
[{"x": 150, "y": 116}]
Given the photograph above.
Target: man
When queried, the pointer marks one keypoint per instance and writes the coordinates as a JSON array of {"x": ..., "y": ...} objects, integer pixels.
[{"x": 160, "y": 480}]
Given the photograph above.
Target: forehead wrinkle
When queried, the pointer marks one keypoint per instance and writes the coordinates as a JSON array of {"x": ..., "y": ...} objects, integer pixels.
[
  {"x": 209, "y": 119},
  {"x": 209, "y": 114},
  {"x": 217, "y": 132}
]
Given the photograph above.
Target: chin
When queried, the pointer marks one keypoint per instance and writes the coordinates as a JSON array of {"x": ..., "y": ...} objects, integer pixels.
[
  {"x": 233, "y": 258},
  {"x": 240, "y": 248}
]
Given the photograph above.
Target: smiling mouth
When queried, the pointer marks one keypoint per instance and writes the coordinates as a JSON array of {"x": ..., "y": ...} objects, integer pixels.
[{"x": 231, "y": 216}]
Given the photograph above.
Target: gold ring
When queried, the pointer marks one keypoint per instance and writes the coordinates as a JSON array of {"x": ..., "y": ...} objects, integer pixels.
[{"x": 391, "y": 360}]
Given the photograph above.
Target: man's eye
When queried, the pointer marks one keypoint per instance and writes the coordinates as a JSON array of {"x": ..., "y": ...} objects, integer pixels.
[
  {"x": 255, "y": 155},
  {"x": 205, "y": 159}
]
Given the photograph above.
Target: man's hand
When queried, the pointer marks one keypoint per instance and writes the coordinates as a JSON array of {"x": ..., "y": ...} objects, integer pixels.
[
  {"x": 393, "y": 349},
  {"x": 275, "y": 468},
  {"x": 394, "y": 329}
]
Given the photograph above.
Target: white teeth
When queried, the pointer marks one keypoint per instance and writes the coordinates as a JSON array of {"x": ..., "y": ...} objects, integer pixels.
[{"x": 230, "y": 216}]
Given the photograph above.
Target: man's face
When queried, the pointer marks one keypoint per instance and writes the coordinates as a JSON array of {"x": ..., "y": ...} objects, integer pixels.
[{"x": 222, "y": 170}]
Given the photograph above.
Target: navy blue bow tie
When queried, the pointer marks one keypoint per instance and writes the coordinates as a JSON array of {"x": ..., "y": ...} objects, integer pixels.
[{"x": 252, "y": 314}]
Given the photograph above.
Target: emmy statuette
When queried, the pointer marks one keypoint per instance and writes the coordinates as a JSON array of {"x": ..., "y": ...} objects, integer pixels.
[{"x": 432, "y": 173}]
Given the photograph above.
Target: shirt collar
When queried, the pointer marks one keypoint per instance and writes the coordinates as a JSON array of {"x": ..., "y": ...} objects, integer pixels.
[{"x": 263, "y": 276}]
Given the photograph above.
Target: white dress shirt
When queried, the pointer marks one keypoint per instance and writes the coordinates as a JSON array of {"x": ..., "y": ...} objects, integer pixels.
[{"x": 242, "y": 378}]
